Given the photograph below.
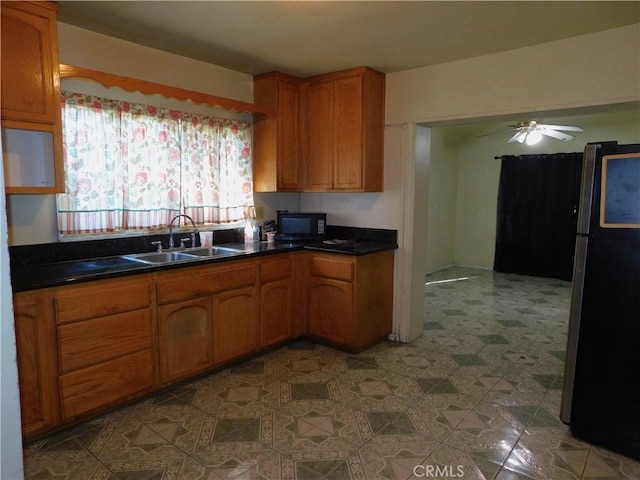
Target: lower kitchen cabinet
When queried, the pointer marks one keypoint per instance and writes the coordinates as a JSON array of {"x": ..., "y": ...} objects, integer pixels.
[
  {"x": 350, "y": 299},
  {"x": 210, "y": 312},
  {"x": 185, "y": 332},
  {"x": 37, "y": 361},
  {"x": 105, "y": 344},
  {"x": 88, "y": 347}
]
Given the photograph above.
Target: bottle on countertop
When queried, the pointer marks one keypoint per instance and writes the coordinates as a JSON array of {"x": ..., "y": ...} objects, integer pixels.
[{"x": 251, "y": 231}]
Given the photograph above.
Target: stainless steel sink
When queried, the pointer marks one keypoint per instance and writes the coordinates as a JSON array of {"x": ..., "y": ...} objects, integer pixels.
[
  {"x": 187, "y": 255},
  {"x": 213, "y": 251},
  {"x": 163, "y": 257}
]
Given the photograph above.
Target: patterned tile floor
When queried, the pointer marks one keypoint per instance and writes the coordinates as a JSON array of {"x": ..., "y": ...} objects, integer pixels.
[{"x": 476, "y": 397}]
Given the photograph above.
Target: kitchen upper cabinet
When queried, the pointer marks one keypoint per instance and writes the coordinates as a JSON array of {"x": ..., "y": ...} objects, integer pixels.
[
  {"x": 343, "y": 127},
  {"x": 106, "y": 351},
  {"x": 31, "y": 121},
  {"x": 37, "y": 361},
  {"x": 350, "y": 298},
  {"x": 276, "y": 155}
]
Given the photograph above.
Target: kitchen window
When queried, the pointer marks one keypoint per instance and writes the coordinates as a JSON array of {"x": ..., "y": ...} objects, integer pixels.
[{"x": 133, "y": 167}]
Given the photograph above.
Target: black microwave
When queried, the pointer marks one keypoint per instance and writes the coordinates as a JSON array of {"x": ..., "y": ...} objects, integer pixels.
[{"x": 301, "y": 227}]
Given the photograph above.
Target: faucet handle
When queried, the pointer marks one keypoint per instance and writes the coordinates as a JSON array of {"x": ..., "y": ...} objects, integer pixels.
[
  {"x": 183, "y": 241},
  {"x": 158, "y": 243}
]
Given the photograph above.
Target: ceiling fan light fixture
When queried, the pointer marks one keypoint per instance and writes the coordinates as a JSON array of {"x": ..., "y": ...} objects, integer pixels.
[{"x": 533, "y": 136}]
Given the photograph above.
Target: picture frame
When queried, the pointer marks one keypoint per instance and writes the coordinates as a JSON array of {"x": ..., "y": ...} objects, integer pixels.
[{"x": 620, "y": 192}]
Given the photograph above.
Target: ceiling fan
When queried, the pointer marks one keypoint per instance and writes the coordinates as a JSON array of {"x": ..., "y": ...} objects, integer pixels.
[{"x": 532, "y": 132}]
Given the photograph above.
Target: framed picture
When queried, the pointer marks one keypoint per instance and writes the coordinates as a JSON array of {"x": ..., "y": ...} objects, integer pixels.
[{"x": 620, "y": 198}]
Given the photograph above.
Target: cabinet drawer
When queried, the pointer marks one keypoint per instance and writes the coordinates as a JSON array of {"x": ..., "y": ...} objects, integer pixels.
[
  {"x": 107, "y": 383},
  {"x": 331, "y": 267},
  {"x": 275, "y": 269},
  {"x": 197, "y": 282},
  {"x": 102, "y": 298},
  {"x": 93, "y": 341}
]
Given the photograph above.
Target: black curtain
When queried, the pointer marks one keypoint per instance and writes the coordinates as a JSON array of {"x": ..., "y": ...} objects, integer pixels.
[{"x": 538, "y": 201}]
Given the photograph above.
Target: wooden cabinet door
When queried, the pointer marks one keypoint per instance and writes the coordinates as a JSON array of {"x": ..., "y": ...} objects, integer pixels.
[
  {"x": 29, "y": 62},
  {"x": 101, "y": 298},
  {"x": 276, "y": 311},
  {"x": 276, "y": 152},
  {"x": 186, "y": 338},
  {"x": 331, "y": 309},
  {"x": 344, "y": 113},
  {"x": 86, "y": 343},
  {"x": 107, "y": 384},
  {"x": 276, "y": 299},
  {"x": 288, "y": 157},
  {"x": 348, "y": 135},
  {"x": 37, "y": 361},
  {"x": 320, "y": 132},
  {"x": 235, "y": 323}
]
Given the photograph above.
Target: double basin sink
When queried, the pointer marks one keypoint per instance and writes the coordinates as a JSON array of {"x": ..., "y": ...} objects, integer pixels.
[{"x": 186, "y": 255}]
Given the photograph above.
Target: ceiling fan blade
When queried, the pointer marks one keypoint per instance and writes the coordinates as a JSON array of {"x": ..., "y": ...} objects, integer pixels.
[
  {"x": 495, "y": 133},
  {"x": 518, "y": 137},
  {"x": 569, "y": 128},
  {"x": 565, "y": 137}
]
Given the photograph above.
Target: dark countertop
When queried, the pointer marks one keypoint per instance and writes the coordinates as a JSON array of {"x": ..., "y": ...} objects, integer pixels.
[{"x": 26, "y": 276}]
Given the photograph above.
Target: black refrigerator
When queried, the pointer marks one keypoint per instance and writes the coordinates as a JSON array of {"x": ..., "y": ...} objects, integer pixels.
[{"x": 600, "y": 400}]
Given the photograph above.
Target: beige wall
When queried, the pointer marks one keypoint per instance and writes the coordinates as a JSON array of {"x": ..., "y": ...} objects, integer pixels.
[
  {"x": 440, "y": 210},
  {"x": 84, "y": 48},
  {"x": 597, "y": 69}
]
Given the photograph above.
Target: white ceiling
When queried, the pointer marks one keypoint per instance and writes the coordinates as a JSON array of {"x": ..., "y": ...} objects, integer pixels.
[{"x": 306, "y": 38}]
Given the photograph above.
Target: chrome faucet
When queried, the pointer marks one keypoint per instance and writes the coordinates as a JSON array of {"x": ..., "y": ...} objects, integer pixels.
[{"x": 193, "y": 233}]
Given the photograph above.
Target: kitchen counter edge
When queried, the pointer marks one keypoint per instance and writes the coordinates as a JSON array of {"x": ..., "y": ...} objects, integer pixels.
[{"x": 34, "y": 277}]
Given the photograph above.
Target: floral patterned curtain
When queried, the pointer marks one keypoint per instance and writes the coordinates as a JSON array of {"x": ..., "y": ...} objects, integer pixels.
[
  {"x": 135, "y": 166},
  {"x": 219, "y": 166}
]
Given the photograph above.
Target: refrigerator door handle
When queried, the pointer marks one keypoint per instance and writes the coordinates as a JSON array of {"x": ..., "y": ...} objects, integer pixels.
[{"x": 575, "y": 312}]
